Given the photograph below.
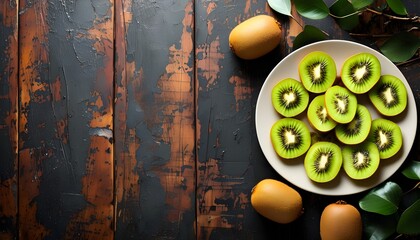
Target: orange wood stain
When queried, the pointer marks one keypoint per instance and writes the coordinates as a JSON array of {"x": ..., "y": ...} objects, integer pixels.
[
  {"x": 8, "y": 187},
  {"x": 32, "y": 53},
  {"x": 242, "y": 90},
  {"x": 178, "y": 123}
]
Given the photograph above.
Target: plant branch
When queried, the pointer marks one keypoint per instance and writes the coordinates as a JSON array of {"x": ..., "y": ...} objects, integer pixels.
[
  {"x": 345, "y": 16},
  {"x": 415, "y": 186},
  {"x": 296, "y": 21},
  {"x": 412, "y": 19}
]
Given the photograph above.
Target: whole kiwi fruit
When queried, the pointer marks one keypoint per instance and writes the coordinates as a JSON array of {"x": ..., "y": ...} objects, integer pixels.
[
  {"x": 341, "y": 221},
  {"x": 276, "y": 201},
  {"x": 255, "y": 37}
]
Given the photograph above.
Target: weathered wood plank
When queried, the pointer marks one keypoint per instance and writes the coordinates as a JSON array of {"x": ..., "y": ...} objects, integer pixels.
[
  {"x": 230, "y": 161},
  {"x": 65, "y": 119},
  {"x": 8, "y": 118},
  {"x": 154, "y": 120}
]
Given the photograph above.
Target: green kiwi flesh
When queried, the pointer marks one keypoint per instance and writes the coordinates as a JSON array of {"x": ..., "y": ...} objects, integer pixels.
[
  {"x": 360, "y": 161},
  {"x": 289, "y": 97},
  {"x": 361, "y": 72},
  {"x": 323, "y": 161},
  {"x": 341, "y": 104},
  {"x": 357, "y": 130},
  {"x": 387, "y": 136},
  {"x": 389, "y": 95},
  {"x": 290, "y": 138},
  {"x": 318, "y": 116},
  {"x": 317, "y": 71}
]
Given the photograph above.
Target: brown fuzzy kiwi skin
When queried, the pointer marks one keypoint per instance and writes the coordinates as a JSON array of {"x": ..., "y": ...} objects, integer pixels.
[{"x": 255, "y": 37}]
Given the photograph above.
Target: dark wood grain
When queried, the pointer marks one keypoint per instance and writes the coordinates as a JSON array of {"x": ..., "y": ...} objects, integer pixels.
[{"x": 8, "y": 118}]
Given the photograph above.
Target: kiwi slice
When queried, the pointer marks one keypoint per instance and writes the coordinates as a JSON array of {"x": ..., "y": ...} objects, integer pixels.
[
  {"x": 387, "y": 136},
  {"x": 361, "y": 72},
  {"x": 341, "y": 104},
  {"x": 318, "y": 116},
  {"x": 323, "y": 161},
  {"x": 389, "y": 95},
  {"x": 289, "y": 97},
  {"x": 360, "y": 161},
  {"x": 290, "y": 138},
  {"x": 317, "y": 71},
  {"x": 357, "y": 130}
]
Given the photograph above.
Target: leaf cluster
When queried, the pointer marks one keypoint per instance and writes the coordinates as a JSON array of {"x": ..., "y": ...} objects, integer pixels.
[
  {"x": 387, "y": 201},
  {"x": 399, "y": 46}
]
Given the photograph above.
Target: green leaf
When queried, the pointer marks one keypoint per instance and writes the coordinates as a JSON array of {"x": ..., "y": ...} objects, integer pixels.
[
  {"x": 342, "y": 8},
  {"x": 401, "y": 47},
  {"x": 310, "y": 34},
  {"x": 397, "y": 6},
  {"x": 383, "y": 229},
  {"x": 359, "y": 4},
  {"x": 412, "y": 171},
  {"x": 383, "y": 200},
  {"x": 313, "y": 9},
  {"x": 409, "y": 221},
  {"x": 281, "y": 6}
]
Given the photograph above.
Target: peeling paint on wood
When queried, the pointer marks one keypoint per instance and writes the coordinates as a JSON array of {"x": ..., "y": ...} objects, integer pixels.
[
  {"x": 8, "y": 119},
  {"x": 155, "y": 104}
]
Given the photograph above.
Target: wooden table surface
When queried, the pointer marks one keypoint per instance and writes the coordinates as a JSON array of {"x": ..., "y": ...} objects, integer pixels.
[{"x": 126, "y": 119}]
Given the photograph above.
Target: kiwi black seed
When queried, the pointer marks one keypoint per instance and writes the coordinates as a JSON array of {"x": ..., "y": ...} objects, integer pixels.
[
  {"x": 289, "y": 97},
  {"x": 323, "y": 161},
  {"x": 357, "y": 130},
  {"x": 341, "y": 104},
  {"x": 360, "y": 161},
  {"x": 318, "y": 116},
  {"x": 317, "y": 71},
  {"x": 387, "y": 136},
  {"x": 389, "y": 95},
  {"x": 290, "y": 138},
  {"x": 361, "y": 72}
]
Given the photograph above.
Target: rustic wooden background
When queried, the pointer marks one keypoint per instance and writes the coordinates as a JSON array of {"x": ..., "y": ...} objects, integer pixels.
[{"x": 130, "y": 119}]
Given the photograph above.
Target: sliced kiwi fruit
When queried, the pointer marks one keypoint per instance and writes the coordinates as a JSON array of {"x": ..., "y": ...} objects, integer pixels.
[
  {"x": 290, "y": 138},
  {"x": 289, "y": 97},
  {"x": 323, "y": 161},
  {"x": 361, "y": 72},
  {"x": 357, "y": 130},
  {"x": 341, "y": 104},
  {"x": 360, "y": 161},
  {"x": 318, "y": 116},
  {"x": 389, "y": 95},
  {"x": 387, "y": 136},
  {"x": 317, "y": 71}
]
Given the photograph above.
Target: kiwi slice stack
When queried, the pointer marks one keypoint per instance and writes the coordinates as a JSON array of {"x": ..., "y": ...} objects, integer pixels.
[{"x": 341, "y": 132}]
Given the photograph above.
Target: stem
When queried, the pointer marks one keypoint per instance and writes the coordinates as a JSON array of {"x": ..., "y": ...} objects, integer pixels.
[
  {"x": 296, "y": 21},
  {"x": 413, "y": 19},
  {"x": 348, "y": 15},
  {"x": 370, "y": 35},
  {"x": 415, "y": 186}
]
